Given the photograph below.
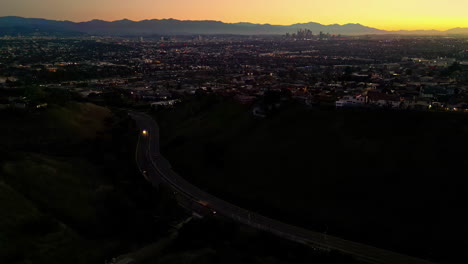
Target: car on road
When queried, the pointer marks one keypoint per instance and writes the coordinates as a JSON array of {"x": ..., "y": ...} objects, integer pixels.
[{"x": 205, "y": 204}]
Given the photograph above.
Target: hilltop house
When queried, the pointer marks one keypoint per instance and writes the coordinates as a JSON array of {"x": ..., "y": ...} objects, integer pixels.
[
  {"x": 383, "y": 100},
  {"x": 351, "y": 101}
]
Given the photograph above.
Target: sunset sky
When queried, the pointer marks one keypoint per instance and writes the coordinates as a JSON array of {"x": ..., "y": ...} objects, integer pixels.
[{"x": 383, "y": 14}]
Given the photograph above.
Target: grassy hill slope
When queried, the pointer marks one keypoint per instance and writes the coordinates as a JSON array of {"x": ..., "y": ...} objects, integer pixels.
[{"x": 69, "y": 190}]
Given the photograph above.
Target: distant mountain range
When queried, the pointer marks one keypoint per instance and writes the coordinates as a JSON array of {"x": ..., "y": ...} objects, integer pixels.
[{"x": 28, "y": 26}]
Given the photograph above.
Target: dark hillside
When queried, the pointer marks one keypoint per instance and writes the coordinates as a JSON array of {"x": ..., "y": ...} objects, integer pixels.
[
  {"x": 389, "y": 179},
  {"x": 69, "y": 189}
]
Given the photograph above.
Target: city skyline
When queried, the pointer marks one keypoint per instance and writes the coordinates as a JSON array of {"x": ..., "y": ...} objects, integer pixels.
[{"x": 397, "y": 15}]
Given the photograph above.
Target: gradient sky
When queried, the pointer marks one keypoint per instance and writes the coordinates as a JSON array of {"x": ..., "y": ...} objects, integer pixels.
[{"x": 383, "y": 14}]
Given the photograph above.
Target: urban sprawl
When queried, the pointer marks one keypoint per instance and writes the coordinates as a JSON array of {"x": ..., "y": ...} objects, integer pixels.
[{"x": 408, "y": 73}]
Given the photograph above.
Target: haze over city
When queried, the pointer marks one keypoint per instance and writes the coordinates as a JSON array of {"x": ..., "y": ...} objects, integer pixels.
[{"x": 382, "y": 14}]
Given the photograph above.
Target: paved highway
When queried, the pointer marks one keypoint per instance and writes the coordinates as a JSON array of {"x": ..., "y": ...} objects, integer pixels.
[{"x": 156, "y": 169}]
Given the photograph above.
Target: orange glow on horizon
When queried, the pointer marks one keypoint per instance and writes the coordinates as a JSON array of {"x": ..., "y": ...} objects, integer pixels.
[{"x": 382, "y": 14}]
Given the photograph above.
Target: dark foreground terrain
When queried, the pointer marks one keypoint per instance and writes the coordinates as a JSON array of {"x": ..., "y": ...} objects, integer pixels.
[
  {"x": 67, "y": 196},
  {"x": 389, "y": 179},
  {"x": 70, "y": 193}
]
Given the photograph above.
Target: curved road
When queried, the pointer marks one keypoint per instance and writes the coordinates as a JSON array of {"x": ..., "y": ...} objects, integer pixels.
[{"x": 156, "y": 169}]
